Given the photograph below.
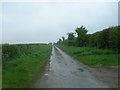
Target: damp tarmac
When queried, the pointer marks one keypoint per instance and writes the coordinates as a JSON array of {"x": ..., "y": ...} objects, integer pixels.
[{"x": 65, "y": 72}]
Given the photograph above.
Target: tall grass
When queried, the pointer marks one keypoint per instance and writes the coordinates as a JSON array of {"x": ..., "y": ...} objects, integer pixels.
[
  {"x": 20, "y": 67},
  {"x": 93, "y": 56}
]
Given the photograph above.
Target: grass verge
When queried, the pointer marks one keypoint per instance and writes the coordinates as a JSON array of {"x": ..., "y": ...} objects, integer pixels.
[
  {"x": 92, "y": 56},
  {"x": 19, "y": 72}
]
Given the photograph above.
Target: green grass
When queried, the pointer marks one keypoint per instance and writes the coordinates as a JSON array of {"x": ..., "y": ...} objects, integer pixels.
[
  {"x": 20, "y": 71},
  {"x": 92, "y": 56},
  {"x": 99, "y": 60}
]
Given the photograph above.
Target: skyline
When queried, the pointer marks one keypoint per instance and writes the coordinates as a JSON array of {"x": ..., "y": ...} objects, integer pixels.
[{"x": 47, "y": 22}]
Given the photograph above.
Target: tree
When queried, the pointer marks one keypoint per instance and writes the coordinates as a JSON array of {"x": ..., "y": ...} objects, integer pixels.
[
  {"x": 63, "y": 38},
  {"x": 107, "y": 38},
  {"x": 81, "y": 35},
  {"x": 59, "y": 41},
  {"x": 88, "y": 39},
  {"x": 71, "y": 36},
  {"x": 70, "y": 39},
  {"x": 114, "y": 37}
]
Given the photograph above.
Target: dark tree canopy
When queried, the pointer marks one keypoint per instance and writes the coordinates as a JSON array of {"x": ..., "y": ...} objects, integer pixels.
[
  {"x": 71, "y": 36},
  {"x": 107, "y": 38},
  {"x": 63, "y": 38},
  {"x": 81, "y": 35}
]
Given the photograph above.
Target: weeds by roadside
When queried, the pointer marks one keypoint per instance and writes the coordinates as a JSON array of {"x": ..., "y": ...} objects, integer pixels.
[
  {"x": 92, "y": 56},
  {"x": 20, "y": 69}
]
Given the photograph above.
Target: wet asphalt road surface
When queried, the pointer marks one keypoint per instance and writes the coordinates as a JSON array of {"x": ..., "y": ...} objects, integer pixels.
[{"x": 65, "y": 72}]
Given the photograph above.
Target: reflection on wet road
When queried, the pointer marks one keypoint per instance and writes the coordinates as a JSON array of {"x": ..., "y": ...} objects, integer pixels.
[{"x": 65, "y": 72}]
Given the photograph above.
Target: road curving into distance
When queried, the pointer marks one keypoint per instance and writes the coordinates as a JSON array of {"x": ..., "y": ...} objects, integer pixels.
[{"x": 65, "y": 72}]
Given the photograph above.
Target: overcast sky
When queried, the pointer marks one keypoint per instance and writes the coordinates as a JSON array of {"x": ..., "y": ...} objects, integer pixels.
[{"x": 46, "y": 22}]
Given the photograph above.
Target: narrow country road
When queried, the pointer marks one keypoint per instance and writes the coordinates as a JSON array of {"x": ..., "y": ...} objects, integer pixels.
[{"x": 65, "y": 72}]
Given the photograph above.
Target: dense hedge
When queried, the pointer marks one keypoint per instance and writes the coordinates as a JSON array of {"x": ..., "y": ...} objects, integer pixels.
[
  {"x": 107, "y": 38},
  {"x": 14, "y": 50}
]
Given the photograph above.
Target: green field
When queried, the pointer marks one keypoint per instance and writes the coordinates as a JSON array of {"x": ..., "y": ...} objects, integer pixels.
[
  {"x": 92, "y": 56},
  {"x": 22, "y": 63}
]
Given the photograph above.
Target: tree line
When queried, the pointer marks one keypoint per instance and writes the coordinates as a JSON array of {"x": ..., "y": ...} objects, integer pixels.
[{"x": 107, "y": 38}]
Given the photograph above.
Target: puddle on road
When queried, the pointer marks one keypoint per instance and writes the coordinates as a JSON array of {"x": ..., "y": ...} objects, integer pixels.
[
  {"x": 59, "y": 61},
  {"x": 80, "y": 69},
  {"x": 45, "y": 74},
  {"x": 50, "y": 62}
]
